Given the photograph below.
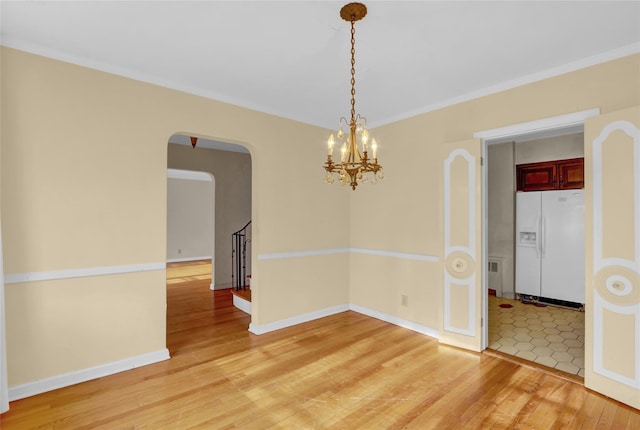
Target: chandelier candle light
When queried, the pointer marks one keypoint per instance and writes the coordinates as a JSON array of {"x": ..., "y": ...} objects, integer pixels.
[{"x": 354, "y": 166}]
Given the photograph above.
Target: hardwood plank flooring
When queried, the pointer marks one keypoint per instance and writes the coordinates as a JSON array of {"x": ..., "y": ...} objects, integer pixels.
[{"x": 346, "y": 371}]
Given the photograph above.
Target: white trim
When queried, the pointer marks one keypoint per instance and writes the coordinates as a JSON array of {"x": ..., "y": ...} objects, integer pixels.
[
  {"x": 297, "y": 254},
  {"x": 603, "y": 57},
  {"x": 496, "y": 135},
  {"x": 191, "y": 175},
  {"x": 508, "y": 133},
  {"x": 67, "y": 379},
  {"x": 598, "y": 339},
  {"x": 484, "y": 247},
  {"x": 329, "y": 251},
  {"x": 295, "y": 320},
  {"x": 16, "y": 278},
  {"x": 180, "y": 260},
  {"x": 470, "y": 249},
  {"x": 186, "y": 88},
  {"x": 470, "y": 283},
  {"x": 471, "y": 209},
  {"x": 599, "y": 261},
  {"x": 243, "y": 304},
  {"x": 288, "y": 322},
  {"x": 401, "y": 255},
  {"x": 411, "y": 325}
]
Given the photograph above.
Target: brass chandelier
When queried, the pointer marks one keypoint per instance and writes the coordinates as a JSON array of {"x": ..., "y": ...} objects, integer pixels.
[{"x": 355, "y": 167}]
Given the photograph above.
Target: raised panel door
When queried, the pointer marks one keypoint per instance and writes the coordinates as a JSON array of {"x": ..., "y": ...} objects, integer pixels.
[
  {"x": 536, "y": 176},
  {"x": 571, "y": 174}
]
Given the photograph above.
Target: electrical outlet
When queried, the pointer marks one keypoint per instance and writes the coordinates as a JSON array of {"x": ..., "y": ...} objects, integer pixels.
[{"x": 404, "y": 300}]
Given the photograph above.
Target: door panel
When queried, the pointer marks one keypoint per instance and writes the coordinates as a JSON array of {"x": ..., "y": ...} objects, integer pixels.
[
  {"x": 462, "y": 290},
  {"x": 528, "y": 256},
  {"x": 571, "y": 174},
  {"x": 537, "y": 176},
  {"x": 612, "y": 246},
  {"x": 563, "y": 245}
]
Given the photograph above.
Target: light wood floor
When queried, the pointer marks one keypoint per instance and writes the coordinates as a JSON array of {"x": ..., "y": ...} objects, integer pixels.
[{"x": 347, "y": 371}]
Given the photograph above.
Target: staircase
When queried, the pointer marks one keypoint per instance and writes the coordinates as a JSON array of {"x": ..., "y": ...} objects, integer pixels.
[{"x": 240, "y": 270}]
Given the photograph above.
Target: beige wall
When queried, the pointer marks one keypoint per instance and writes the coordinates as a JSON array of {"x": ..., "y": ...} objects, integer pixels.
[
  {"x": 84, "y": 186},
  {"x": 404, "y": 212},
  {"x": 232, "y": 172},
  {"x": 88, "y": 149},
  {"x": 552, "y": 148},
  {"x": 190, "y": 215}
]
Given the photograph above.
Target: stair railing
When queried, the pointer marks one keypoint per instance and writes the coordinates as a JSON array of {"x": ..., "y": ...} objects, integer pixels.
[{"x": 240, "y": 241}]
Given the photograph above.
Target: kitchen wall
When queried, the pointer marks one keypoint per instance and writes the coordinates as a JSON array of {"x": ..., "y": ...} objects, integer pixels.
[
  {"x": 552, "y": 148},
  {"x": 501, "y": 212},
  {"x": 502, "y": 159}
]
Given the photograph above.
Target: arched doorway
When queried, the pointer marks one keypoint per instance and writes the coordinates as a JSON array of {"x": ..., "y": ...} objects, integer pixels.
[{"x": 231, "y": 165}]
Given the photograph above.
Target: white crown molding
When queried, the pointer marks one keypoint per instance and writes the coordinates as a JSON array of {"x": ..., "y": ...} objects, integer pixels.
[
  {"x": 124, "y": 72},
  {"x": 178, "y": 86},
  {"x": 191, "y": 175},
  {"x": 16, "y": 278},
  {"x": 594, "y": 60},
  {"x": 67, "y": 379},
  {"x": 329, "y": 251}
]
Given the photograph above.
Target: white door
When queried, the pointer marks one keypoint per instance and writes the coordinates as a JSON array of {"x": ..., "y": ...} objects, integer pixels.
[
  {"x": 462, "y": 286},
  {"x": 612, "y": 250},
  {"x": 562, "y": 245},
  {"x": 528, "y": 219}
]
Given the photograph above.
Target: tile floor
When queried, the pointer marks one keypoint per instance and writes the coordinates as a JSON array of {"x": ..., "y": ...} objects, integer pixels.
[{"x": 550, "y": 335}]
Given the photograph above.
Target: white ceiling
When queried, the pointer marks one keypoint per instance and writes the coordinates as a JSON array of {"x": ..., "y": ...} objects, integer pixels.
[{"x": 292, "y": 58}]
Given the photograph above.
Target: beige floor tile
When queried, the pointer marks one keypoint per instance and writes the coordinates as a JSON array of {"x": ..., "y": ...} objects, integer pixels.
[
  {"x": 568, "y": 367},
  {"x": 550, "y": 336},
  {"x": 524, "y": 346},
  {"x": 539, "y": 342},
  {"x": 542, "y": 351}
]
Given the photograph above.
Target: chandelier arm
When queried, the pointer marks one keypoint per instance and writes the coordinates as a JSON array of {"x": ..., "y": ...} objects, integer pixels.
[{"x": 354, "y": 166}]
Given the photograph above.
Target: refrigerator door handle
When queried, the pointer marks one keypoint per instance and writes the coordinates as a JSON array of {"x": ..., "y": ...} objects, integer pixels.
[
  {"x": 538, "y": 246},
  {"x": 542, "y": 237}
]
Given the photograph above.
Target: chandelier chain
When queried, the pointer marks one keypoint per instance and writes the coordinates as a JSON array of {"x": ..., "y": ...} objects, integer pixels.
[
  {"x": 353, "y": 70},
  {"x": 353, "y": 167}
]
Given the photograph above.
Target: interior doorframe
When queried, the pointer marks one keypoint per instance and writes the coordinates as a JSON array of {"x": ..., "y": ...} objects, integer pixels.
[
  {"x": 547, "y": 127},
  {"x": 207, "y": 177}
]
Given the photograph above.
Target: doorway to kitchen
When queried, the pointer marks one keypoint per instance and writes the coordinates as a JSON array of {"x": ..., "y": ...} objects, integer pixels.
[{"x": 526, "y": 325}]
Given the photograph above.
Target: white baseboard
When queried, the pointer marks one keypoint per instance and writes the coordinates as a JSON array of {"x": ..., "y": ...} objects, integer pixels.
[
  {"x": 420, "y": 328},
  {"x": 67, "y": 379},
  {"x": 298, "y": 319},
  {"x": 242, "y": 304},
  {"x": 181, "y": 260},
  {"x": 223, "y": 286}
]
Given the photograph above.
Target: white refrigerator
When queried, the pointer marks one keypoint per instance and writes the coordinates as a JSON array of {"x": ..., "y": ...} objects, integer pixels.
[{"x": 550, "y": 244}]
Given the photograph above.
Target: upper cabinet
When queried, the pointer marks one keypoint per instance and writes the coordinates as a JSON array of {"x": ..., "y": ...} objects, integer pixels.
[{"x": 551, "y": 175}]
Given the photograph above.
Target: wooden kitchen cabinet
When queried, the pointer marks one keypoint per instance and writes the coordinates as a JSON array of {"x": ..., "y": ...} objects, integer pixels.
[{"x": 551, "y": 175}]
